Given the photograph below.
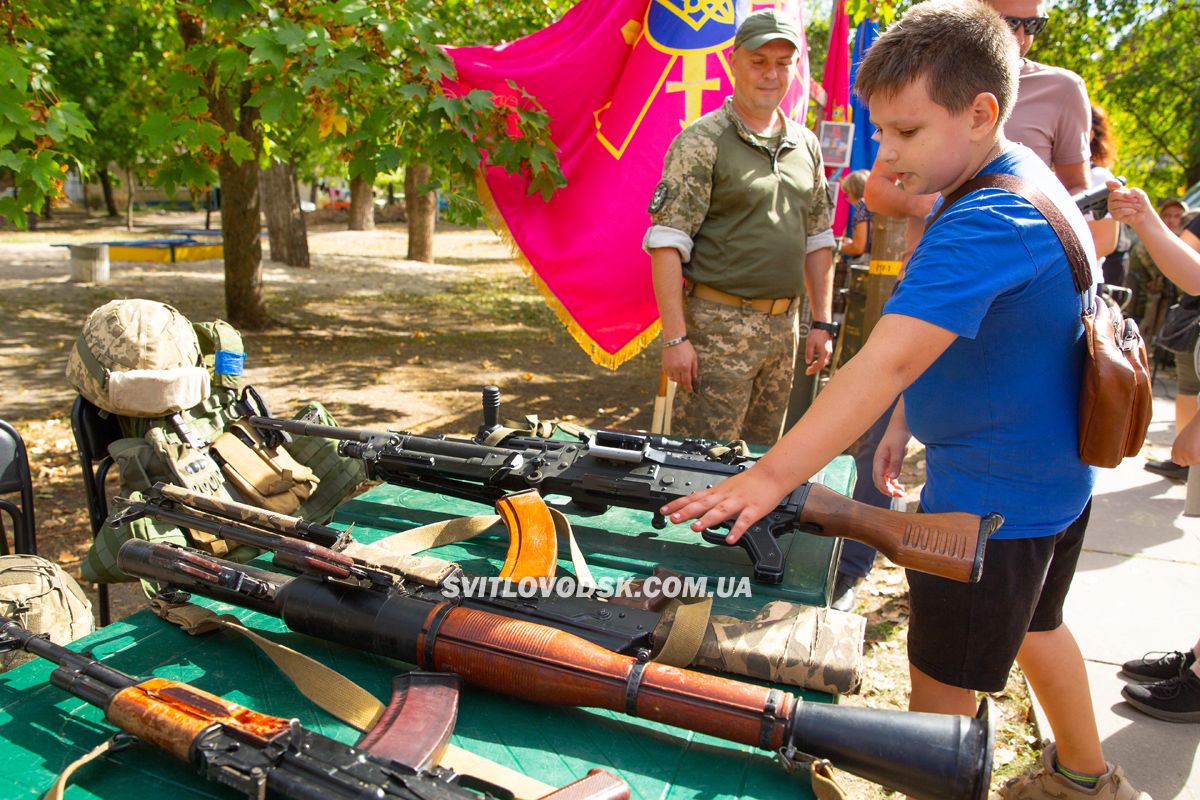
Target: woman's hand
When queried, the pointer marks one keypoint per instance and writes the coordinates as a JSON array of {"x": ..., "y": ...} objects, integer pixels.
[
  {"x": 889, "y": 459},
  {"x": 746, "y": 498},
  {"x": 1127, "y": 205}
]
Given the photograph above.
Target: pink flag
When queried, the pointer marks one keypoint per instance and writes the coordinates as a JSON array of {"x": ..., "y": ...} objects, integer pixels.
[
  {"x": 836, "y": 83},
  {"x": 619, "y": 79}
]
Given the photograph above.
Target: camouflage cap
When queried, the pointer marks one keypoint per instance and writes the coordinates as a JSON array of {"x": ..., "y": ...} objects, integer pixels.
[{"x": 766, "y": 26}]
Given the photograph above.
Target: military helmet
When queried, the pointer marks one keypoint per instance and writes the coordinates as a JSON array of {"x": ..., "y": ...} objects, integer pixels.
[
  {"x": 41, "y": 596},
  {"x": 138, "y": 358}
]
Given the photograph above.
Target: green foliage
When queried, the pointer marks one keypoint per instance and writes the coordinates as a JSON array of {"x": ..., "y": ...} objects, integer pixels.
[
  {"x": 106, "y": 58},
  {"x": 1138, "y": 58},
  {"x": 358, "y": 83},
  {"x": 34, "y": 120}
]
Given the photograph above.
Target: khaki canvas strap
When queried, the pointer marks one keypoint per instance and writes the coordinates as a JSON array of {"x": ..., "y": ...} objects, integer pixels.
[
  {"x": 460, "y": 529},
  {"x": 686, "y": 631},
  {"x": 340, "y": 696},
  {"x": 824, "y": 784},
  {"x": 117, "y": 741}
]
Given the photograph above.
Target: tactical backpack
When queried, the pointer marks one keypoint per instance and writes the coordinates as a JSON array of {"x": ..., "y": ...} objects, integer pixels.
[
  {"x": 42, "y": 597},
  {"x": 176, "y": 389}
]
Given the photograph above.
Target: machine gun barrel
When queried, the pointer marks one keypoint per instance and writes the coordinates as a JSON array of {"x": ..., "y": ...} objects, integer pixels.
[
  {"x": 642, "y": 472},
  {"x": 925, "y": 755}
]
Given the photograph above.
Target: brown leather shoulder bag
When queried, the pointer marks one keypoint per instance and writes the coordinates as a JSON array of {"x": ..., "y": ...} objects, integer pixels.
[{"x": 1115, "y": 401}]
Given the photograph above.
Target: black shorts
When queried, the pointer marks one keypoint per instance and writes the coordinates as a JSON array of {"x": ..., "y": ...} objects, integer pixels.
[{"x": 968, "y": 634}]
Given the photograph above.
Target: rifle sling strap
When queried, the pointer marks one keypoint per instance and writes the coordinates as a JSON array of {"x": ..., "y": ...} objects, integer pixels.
[
  {"x": 686, "y": 632},
  {"x": 460, "y": 529},
  {"x": 340, "y": 696},
  {"x": 117, "y": 741}
]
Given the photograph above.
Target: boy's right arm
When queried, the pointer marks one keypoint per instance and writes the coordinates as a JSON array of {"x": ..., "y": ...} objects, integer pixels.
[
  {"x": 899, "y": 349},
  {"x": 1170, "y": 253}
]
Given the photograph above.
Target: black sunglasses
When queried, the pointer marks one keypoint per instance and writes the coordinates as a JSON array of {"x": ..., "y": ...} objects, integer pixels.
[{"x": 1033, "y": 25}]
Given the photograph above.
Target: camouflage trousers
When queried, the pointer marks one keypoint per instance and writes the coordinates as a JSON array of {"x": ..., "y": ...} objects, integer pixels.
[{"x": 747, "y": 360}]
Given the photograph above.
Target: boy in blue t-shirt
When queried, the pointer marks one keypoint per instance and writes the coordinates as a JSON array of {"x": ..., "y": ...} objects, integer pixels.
[{"x": 983, "y": 337}]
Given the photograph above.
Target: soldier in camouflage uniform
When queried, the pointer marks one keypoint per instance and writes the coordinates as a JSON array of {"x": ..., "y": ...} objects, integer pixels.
[{"x": 743, "y": 214}]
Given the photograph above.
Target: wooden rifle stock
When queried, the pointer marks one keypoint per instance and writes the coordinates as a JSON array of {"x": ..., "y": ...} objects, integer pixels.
[{"x": 949, "y": 544}]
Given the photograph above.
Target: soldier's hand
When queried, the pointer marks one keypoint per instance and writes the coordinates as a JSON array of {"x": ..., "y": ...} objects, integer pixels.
[
  {"x": 818, "y": 349},
  {"x": 681, "y": 364}
]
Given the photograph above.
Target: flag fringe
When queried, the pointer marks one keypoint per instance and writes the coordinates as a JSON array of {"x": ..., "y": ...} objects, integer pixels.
[{"x": 598, "y": 354}]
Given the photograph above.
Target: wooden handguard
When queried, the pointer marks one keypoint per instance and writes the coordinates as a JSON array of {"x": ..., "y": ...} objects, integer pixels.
[
  {"x": 170, "y": 715},
  {"x": 532, "y": 542},
  {"x": 541, "y": 664},
  {"x": 950, "y": 545}
]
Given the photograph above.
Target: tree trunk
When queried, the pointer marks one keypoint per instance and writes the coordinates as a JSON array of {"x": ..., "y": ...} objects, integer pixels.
[
  {"x": 312, "y": 192},
  {"x": 128, "y": 199},
  {"x": 243, "y": 245},
  {"x": 110, "y": 203},
  {"x": 362, "y": 206},
  {"x": 240, "y": 211},
  {"x": 391, "y": 200},
  {"x": 285, "y": 222},
  {"x": 87, "y": 203},
  {"x": 421, "y": 210}
]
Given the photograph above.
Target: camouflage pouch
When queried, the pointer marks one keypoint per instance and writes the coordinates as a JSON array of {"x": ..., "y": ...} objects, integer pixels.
[
  {"x": 813, "y": 648},
  {"x": 42, "y": 597},
  {"x": 337, "y": 477}
]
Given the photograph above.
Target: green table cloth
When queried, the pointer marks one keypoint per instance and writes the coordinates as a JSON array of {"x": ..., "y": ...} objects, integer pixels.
[{"x": 42, "y": 728}]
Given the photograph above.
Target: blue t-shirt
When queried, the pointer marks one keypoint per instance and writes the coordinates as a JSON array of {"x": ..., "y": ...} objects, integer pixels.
[{"x": 998, "y": 411}]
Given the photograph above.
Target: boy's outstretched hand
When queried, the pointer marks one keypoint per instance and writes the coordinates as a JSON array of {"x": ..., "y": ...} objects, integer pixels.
[
  {"x": 746, "y": 498},
  {"x": 1128, "y": 205}
]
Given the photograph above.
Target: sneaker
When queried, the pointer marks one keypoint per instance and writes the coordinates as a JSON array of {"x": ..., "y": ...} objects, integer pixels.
[
  {"x": 1152, "y": 670},
  {"x": 845, "y": 592},
  {"x": 1050, "y": 785},
  {"x": 1167, "y": 468},
  {"x": 1175, "y": 699}
]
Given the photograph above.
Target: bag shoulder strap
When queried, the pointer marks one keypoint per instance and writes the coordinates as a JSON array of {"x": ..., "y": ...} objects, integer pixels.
[{"x": 1076, "y": 256}]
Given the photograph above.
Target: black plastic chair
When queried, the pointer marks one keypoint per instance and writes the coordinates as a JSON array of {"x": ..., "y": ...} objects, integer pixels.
[
  {"x": 15, "y": 477},
  {"x": 93, "y": 434}
]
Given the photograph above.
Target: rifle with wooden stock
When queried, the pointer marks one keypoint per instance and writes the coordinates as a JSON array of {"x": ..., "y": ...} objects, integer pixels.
[
  {"x": 931, "y": 756},
  {"x": 313, "y": 549},
  {"x": 264, "y": 756},
  {"x": 638, "y": 471}
]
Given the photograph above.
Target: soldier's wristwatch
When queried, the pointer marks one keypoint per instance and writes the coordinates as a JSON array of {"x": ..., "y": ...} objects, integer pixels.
[{"x": 828, "y": 327}]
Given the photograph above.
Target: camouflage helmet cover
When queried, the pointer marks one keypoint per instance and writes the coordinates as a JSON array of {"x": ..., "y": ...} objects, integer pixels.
[{"x": 143, "y": 340}]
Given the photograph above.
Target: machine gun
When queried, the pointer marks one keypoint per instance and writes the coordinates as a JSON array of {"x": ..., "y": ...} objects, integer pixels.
[
  {"x": 932, "y": 756},
  {"x": 1094, "y": 200},
  {"x": 638, "y": 471},
  {"x": 326, "y": 553},
  {"x": 264, "y": 756}
]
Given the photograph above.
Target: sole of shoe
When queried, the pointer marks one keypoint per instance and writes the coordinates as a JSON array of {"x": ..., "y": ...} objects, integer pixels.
[
  {"x": 1137, "y": 677},
  {"x": 1168, "y": 716}
]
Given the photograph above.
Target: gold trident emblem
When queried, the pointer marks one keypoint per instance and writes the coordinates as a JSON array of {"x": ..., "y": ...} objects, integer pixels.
[{"x": 696, "y": 80}]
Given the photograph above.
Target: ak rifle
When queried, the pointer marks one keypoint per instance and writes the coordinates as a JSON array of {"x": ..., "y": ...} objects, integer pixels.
[
  {"x": 631, "y": 470},
  {"x": 263, "y": 756},
  {"x": 312, "y": 549},
  {"x": 928, "y": 756}
]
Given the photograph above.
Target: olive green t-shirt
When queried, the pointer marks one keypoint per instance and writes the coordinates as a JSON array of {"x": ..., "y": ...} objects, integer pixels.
[{"x": 749, "y": 208}]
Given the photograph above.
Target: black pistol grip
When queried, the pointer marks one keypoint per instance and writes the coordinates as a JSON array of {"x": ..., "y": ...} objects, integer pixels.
[{"x": 760, "y": 544}]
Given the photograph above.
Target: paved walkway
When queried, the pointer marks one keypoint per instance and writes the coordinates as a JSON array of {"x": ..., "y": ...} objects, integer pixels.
[{"x": 1137, "y": 589}]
